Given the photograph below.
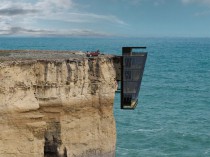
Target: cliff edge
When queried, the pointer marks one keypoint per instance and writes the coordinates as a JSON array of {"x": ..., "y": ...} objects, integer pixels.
[{"x": 56, "y": 104}]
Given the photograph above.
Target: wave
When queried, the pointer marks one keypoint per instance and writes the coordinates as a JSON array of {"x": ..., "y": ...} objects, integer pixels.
[
  {"x": 147, "y": 130},
  {"x": 126, "y": 149},
  {"x": 207, "y": 152}
]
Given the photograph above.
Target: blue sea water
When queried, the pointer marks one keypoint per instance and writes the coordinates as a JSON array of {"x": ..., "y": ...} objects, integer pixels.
[{"x": 173, "y": 115}]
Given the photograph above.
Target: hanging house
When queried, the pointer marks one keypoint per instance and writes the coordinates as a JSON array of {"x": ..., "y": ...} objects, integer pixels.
[{"x": 132, "y": 67}]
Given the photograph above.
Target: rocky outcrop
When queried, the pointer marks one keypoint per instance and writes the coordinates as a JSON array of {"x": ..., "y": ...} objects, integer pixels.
[{"x": 57, "y": 107}]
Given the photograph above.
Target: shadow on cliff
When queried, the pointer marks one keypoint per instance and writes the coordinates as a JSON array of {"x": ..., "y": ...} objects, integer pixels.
[
  {"x": 117, "y": 67},
  {"x": 53, "y": 141}
]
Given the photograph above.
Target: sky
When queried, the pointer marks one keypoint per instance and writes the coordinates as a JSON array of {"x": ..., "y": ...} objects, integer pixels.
[{"x": 120, "y": 18}]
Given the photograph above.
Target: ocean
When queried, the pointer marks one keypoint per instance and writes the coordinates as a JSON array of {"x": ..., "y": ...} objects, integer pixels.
[{"x": 172, "y": 118}]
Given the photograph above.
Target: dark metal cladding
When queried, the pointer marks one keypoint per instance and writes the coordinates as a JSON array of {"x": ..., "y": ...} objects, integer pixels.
[{"x": 132, "y": 66}]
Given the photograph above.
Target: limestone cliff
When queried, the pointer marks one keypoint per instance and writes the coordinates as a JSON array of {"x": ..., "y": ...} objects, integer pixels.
[{"x": 56, "y": 104}]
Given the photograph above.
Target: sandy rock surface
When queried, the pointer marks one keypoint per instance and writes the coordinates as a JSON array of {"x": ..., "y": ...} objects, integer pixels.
[{"x": 56, "y": 104}]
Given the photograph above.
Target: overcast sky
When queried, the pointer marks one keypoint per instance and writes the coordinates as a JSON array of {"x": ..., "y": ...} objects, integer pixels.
[{"x": 134, "y": 18}]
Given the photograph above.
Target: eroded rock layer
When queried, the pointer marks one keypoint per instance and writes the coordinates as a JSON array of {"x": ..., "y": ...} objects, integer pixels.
[{"x": 57, "y": 107}]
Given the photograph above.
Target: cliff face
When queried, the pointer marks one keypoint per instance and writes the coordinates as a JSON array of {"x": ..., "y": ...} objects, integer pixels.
[{"x": 57, "y": 107}]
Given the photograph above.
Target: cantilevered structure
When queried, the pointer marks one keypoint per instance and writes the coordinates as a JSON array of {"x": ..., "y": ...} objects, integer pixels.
[{"x": 132, "y": 68}]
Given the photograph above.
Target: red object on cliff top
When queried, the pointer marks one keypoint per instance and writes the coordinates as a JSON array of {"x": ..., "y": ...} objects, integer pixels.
[{"x": 94, "y": 54}]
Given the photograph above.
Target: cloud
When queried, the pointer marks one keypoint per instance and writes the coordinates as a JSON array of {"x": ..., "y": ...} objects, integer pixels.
[
  {"x": 24, "y": 16},
  {"x": 205, "y": 3},
  {"x": 196, "y": 1},
  {"x": 82, "y": 17},
  {"x": 42, "y": 32},
  {"x": 16, "y": 11},
  {"x": 23, "y": 31},
  {"x": 54, "y": 4},
  {"x": 40, "y": 7},
  {"x": 141, "y": 2},
  {"x": 159, "y": 2}
]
